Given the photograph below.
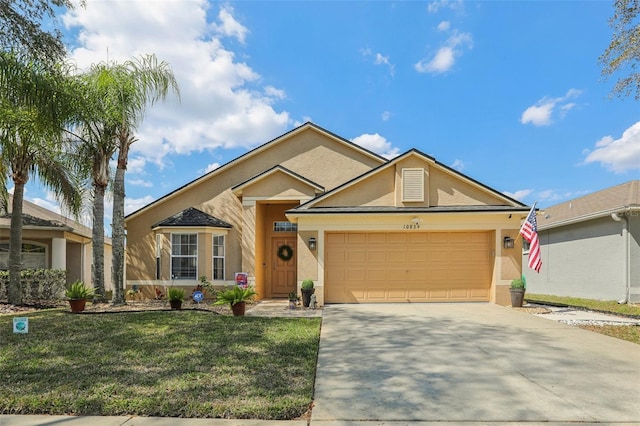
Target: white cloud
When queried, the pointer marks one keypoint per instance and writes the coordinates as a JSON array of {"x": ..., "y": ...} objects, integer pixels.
[
  {"x": 436, "y": 6},
  {"x": 49, "y": 204},
  {"x": 133, "y": 204},
  {"x": 444, "y": 26},
  {"x": 538, "y": 115},
  {"x": 543, "y": 112},
  {"x": 229, "y": 26},
  {"x": 386, "y": 115},
  {"x": 223, "y": 104},
  {"x": 209, "y": 168},
  {"x": 376, "y": 143},
  {"x": 458, "y": 165},
  {"x": 379, "y": 59},
  {"x": 519, "y": 194},
  {"x": 446, "y": 55},
  {"x": 140, "y": 182},
  {"x": 618, "y": 155}
]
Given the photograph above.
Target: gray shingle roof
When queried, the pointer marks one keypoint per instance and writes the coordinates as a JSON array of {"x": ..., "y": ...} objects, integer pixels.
[
  {"x": 600, "y": 203},
  {"x": 193, "y": 217}
]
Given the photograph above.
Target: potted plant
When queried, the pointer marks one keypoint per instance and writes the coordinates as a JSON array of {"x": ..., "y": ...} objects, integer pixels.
[
  {"x": 236, "y": 297},
  {"x": 77, "y": 294},
  {"x": 176, "y": 296},
  {"x": 307, "y": 290},
  {"x": 293, "y": 300},
  {"x": 518, "y": 288}
]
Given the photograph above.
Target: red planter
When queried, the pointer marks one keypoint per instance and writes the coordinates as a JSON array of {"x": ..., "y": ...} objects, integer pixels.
[
  {"x": 77, "y": 305},
  {"x": 238, "y": 309}
]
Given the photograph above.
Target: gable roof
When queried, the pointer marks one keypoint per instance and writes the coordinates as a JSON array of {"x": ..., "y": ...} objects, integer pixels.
[
  {"x": 193, "y": 217},
  {"x": 257, "y": 151},
  {"x": 616, "y": 199},
  {"x": 239, "y": 187},
  {"x": 308, "y": 207}
]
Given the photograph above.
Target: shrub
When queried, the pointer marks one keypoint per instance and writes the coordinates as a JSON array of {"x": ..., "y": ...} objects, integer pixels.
[
  {"x": 175, "y": 293},
  {"x": 37, "y": 284},
  {"x": 307, "y": 284},
  {"x": 78, "y": 290}
]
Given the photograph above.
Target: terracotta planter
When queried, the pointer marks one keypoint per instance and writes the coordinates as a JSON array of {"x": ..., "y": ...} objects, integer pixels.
[
  {"x": 175, "y": 304},
  {"x": 306, "y": 296},
  {"x": 517, "y": 297},
  {"x": 238, "y": 309},
  {"x": 77, "y": 305}
]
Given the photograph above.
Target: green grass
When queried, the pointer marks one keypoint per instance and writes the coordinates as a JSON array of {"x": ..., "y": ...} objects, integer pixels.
[
  {"x": 630, "y": 333},
  {"x": 594, "y": 305},
  {"x": 172, "y": 364}
]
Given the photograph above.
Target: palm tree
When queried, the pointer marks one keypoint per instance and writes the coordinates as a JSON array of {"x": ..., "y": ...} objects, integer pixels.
[
  {"x": 96, "y": 130},
  {"x": 129, "y": 88},
  {"x": 34, "y": 107}
]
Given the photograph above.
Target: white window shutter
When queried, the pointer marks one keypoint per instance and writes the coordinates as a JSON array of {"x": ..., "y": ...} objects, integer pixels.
[{"x": 412, "y": 185}]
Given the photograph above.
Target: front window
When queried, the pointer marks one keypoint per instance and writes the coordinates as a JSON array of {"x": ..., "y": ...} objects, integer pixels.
[
  {"x": 218, "y": 257},
  {"x": 184, "y": 256},
  {"x": 33, "y": 256}
]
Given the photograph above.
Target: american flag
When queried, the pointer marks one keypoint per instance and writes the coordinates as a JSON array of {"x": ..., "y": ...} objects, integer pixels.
[{"x": 529, "y": 232}]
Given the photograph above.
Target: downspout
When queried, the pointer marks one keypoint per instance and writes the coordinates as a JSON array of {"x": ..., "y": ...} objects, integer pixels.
[{"x": 625, "y": 263}]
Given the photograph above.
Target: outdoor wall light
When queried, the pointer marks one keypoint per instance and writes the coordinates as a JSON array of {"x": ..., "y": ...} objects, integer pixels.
[
  {"x": 509, "y": 243},
  {"x": 312, "y": 243}
]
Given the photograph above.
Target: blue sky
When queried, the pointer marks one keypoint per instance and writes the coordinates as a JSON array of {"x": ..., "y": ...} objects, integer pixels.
[{"x": 509, "y": 93}]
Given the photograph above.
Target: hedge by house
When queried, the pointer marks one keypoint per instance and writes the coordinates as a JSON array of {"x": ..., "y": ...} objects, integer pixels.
[{"x": 37, "y": 284}]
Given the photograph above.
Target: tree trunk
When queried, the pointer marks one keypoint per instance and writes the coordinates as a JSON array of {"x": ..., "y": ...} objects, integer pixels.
[
  {"x": 98, "y": 244},
  {"x": 15, "y": 246},
  {"x": 117, "y": 237}
]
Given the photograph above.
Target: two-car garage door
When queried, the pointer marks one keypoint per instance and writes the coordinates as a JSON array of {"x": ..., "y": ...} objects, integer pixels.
[{"x": 408, "y": 266}]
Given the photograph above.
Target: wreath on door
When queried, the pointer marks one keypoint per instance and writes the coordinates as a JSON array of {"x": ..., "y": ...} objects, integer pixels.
[{"x": 285, "y": 252}]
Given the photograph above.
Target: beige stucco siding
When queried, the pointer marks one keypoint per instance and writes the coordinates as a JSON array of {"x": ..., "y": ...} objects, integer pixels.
[
  {"x": 376, "y": 190},
  {"x": 448, "y": 190},
  {"x": 503, "y": 262},
  {"x": 316, "y": 156}
]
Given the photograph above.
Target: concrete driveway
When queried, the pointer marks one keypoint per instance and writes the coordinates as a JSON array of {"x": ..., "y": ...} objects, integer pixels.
[{"x": 449, "y": 362}]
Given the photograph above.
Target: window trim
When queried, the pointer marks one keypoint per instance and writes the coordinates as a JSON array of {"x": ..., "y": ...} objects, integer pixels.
[
  {"x": 214, "y": 257},
  {"x": 173, "y": 256}
]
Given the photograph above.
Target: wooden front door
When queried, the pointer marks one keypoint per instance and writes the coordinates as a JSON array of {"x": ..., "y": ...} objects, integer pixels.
[{"x": 283, "y": 272}]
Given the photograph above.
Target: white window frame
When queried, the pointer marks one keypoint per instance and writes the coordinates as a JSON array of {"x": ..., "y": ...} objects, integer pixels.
[
  {"x": 217, "y": 256},
  {"x": 182, "y": 256}
]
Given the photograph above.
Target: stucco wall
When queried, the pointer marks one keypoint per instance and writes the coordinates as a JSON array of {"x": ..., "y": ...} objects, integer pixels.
[
  {"x": 310, "y": 153},
  {"x": 581, "y": 260}
]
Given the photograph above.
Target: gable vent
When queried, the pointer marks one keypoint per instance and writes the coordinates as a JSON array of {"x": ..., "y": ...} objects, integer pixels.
[{"x": 413, "y": 185}]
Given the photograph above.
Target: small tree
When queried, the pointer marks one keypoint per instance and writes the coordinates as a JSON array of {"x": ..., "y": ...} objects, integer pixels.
[{"x": 623, "y": 52}]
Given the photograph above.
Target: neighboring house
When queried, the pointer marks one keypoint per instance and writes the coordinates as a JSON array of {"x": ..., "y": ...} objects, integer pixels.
[
  {"x": 591, "y": 246},
  {"x": 310, "y": 204},
  {"x": 53, "y": 241}
]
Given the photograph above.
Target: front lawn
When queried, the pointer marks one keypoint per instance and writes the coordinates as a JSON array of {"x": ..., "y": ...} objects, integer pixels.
[{"x": 171, "y": 364}]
